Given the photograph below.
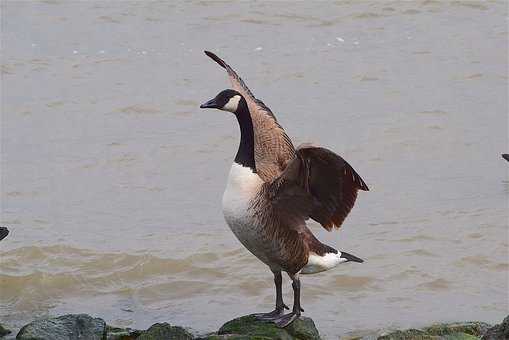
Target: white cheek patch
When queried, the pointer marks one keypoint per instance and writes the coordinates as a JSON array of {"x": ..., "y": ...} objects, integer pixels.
[{"x": 232, "y": 104}]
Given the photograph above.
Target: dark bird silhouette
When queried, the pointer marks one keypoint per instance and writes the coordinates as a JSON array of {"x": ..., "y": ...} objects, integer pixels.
[{"x": 3, "y": 232}]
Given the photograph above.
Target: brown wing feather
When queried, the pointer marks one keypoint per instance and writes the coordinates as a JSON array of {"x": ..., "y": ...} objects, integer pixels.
[
  {"x": 319, "y": 184},
  {"x": 273, "y": 148}
]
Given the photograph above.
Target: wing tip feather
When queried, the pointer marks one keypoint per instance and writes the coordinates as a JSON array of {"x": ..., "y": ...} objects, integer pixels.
[
  {"x": 215, "y": 58},
  {"x": 361, "y": 185}
]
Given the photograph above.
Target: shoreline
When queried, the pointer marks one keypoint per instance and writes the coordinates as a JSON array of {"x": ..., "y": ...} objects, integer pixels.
[{"x": 84, "y": 326}]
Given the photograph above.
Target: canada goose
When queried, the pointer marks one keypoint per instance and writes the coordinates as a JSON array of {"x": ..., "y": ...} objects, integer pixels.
[
  {"x": 3, "y": 233},
  {"x": 505, "y": 156},
  {"x": 274, "y": 188}
]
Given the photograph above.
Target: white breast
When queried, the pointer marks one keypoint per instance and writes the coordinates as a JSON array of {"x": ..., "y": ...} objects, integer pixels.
[{"x": 243, "y": 185}]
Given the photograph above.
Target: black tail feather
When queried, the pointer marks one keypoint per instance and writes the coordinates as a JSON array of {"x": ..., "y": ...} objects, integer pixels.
[
  {"x": 216, "y": 58},
  {"x": 350, "y": 257}
]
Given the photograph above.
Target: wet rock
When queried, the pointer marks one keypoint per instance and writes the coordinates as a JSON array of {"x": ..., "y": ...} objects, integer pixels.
[
  {"x": 248, "y": 327},
  {"x": 449, "y": 331},
  {"x": 65, "y": 327},
  {"x": 470, "y": 328},
  {"x": 117, "y": 333},
  {"x": 4, "y": 331},
  {"x": 165, "y": 331},
  {"x": 498, "y": 332}
]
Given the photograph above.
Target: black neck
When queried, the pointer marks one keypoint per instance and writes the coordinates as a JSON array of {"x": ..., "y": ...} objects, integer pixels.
[{"x": 245, "y": 154}]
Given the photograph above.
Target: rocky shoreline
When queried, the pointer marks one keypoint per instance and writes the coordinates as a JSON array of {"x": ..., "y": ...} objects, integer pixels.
[{"x": 86, "y": 327}]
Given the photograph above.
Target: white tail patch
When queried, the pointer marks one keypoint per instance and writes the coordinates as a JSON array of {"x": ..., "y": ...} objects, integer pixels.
[{"x": 317, "y": 263}]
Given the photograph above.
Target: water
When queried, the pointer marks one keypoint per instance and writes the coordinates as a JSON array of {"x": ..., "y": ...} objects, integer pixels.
[{"x": 112, "y": 176}]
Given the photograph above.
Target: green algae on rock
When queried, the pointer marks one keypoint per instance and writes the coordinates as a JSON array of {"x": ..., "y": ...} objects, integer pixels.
[
  {"x": 249, "y": 328},
  {"x": 118, "y": 333},
  {"x": 443, "y": 331},
  {"x": 473, "y": 328},
  {"x": 4, "y": 331},
  {"x": 165, "y": 331}
]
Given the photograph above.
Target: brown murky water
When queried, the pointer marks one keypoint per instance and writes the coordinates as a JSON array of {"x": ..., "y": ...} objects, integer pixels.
[{"x": 112, "y": 177}]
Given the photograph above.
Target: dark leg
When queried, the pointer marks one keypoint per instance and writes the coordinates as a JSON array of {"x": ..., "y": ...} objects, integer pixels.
[
  {"x": 278, "y": 282},
  {"x": 280, "y": 306},
  {"x": 287, "y": 319}
]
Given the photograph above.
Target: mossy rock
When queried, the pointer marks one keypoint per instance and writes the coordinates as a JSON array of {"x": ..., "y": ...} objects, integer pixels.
[
  {"x": 4, "y": 331},
  {"x": 165, "y": 331},
  {"x": 498, "y": 332},
  {"x": 249, "y": 328},
  {"x": 65, "y": 327},
  {"x": 414, "y": 334},
  {"x": 470, "y": 328},
  {"x": 117, "y": 333},
  {"x": 409, "y": 334},
  {"x": 446, "y": 331},
  {"x": 234, "y": 337}
]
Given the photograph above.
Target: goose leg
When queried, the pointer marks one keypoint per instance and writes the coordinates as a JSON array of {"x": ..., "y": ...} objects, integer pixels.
[
  {"x": 280, "y": 305},
  {"x": 286, "y": 319}
]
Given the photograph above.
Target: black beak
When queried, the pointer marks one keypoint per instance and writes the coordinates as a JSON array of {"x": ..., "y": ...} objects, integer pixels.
[{"x": 211, "y": 104}]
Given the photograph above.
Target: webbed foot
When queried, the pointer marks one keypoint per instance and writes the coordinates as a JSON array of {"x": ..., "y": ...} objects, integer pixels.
[
  {"x": 286, "y": 319},
  {"x": 276, "y": 313}
]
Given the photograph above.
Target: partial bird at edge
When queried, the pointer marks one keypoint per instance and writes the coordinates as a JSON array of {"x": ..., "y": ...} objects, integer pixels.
[{"x": 3, "y": 232}]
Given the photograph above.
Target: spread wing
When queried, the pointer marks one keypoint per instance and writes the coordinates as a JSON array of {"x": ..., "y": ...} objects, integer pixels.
[
  {"x": 317, "y": 183},
  {"x": 273, "y": 148}
]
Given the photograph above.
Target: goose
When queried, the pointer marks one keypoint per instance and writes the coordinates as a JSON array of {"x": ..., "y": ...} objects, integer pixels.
[{"x": 273, "y": 188}]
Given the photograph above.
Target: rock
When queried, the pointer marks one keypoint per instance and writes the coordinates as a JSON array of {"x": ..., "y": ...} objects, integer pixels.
[
  {"x": 498, "y": 332},
  {"x": 65, "y": 327},
  {"x": 450, "y": 331},
  {"x": 85, "y": 327},
  {"x": 4, "y": 331},
  {"x": 165, "y": 331},
  {"x": 475, "y": 329},
  {"x": 414, "y": 334},
  {"x": 117, "y": 333},
  {"x": 248, "y": 327}
]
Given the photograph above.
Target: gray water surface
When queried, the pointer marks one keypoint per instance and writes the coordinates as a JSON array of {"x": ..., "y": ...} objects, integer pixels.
[{"x": 112, "y": 176}]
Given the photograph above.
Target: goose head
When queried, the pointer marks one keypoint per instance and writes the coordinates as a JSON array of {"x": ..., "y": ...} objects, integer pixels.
[{"x": 227, "y": 100}]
